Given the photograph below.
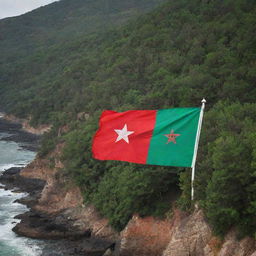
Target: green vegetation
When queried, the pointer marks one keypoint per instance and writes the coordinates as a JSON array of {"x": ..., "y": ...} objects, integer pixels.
[
  {"x": 117, "y": 189},
  {"x": 174, "y": 56},
  {"x": 64, "y": 21},
  {"x": 230, "y": 197}
]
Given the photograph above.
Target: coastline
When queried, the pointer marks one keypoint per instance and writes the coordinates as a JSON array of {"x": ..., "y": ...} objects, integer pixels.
[
  {"x": 27, "y": 140},
  {"x": 24, "y": 123},
  {"x": 63, "y": 238},
  {"x": 54, "y": 229},
  {"x": 59, "y": 208}
]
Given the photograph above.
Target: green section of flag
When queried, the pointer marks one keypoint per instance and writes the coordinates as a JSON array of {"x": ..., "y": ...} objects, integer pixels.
[{"x": 174, "y": 136}]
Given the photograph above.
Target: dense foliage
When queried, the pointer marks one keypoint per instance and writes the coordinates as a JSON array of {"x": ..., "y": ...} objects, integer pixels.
[
  {"x": 117, "y": 189},
  {"x": 230, "y": 196},
  {"x": 176, "y": 55},
  {"x": 64, "y": 21}
]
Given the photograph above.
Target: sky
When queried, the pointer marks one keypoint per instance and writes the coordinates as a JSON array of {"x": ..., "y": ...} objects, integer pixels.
[{"x": 9, "y": 8}]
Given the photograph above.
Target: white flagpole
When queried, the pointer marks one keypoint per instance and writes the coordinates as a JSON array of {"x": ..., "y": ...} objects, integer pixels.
[{"x": 196, "y": 147}]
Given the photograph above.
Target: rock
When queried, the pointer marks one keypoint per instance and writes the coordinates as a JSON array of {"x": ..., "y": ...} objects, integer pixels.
[
  {"x": 57, "y": 197},
  {"x": 12, "y": 179},
  {"x": 88, "y": 247},
  {"x": 83, "y": 116},
  {"x": 24, "y": 123},
  {"x": 7, "y": 126},
  {"x": 183, "y": 235},
  {"x": 40, "y": 225},
  {"x": 25, "y": 139},
  {"x": 189, "y": 236},
  {"x": 234, "y": 247},
  {"x": 109, "y": 252},
  {"x": 95, "y": 246},
  {"x": 29, "y": 200},
  {"x": 62, "y": 130},
  {"x": 12, "y": 171},
  {"x": 145, "y": 237}
]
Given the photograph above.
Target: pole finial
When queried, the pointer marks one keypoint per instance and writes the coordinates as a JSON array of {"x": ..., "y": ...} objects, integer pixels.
[{"x": 203, "y": 100}]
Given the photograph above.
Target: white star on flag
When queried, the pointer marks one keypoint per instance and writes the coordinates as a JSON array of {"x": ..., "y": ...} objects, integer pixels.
[{"x": 123, "y": 134}]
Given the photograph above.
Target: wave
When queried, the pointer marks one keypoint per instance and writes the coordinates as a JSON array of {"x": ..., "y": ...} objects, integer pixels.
[
  {"x": 10, "y": 243},
  {"x": 11, "y": 155},
  {"x": 5, "y": 167}
]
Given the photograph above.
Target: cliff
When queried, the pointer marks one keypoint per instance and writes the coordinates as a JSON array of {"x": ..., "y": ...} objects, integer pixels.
[
  {"x": 172, "y": 57},
  {"x": 59, "y": 212},
  {"x": 41, "y": 129},
  {"x": 181, "y": 234}
]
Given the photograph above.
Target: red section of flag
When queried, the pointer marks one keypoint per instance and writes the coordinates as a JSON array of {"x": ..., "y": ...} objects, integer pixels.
[{"x": 124, "y": 136}]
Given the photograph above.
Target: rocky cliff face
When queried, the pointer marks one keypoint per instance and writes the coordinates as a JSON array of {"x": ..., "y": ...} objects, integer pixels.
[
  {"x": 60, "y": 196},
  {"x": 26, "y": 126},
  {"x": 181, "y": 235}
]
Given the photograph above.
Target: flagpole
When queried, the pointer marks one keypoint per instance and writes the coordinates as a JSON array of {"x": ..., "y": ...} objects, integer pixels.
[{"x": 196, "y": 147}]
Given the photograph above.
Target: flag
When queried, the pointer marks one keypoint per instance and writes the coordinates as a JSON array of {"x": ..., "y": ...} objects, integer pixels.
[{"x": 156, "y": 137}]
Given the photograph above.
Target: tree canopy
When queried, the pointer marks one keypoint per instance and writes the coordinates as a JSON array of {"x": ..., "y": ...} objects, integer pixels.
[{"x": 173, "y": 56}]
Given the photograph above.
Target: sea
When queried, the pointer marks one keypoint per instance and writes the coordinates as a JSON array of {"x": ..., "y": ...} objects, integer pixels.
[{"x": 13, "y": 154}]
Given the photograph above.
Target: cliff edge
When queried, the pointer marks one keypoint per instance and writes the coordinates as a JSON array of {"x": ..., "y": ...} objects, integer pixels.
[{"x": 182, "y": 234}]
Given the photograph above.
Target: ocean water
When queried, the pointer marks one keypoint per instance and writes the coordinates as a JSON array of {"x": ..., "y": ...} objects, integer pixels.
[{"x": 12, "y": 155}]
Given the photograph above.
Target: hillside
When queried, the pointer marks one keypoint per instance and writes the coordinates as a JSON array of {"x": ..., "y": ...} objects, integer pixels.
[
  {"x": 174, "y": 56},
  {"x": 64, "y": 21}
]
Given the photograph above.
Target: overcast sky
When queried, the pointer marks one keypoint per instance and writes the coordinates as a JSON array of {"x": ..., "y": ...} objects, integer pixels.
[{"x": 10, "y": 8}]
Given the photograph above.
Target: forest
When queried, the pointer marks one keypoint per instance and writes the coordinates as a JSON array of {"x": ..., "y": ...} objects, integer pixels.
[{"x": 171, "y": 56}]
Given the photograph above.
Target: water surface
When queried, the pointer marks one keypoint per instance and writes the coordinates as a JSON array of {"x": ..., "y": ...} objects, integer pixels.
[{"x": 13, "y": 155}]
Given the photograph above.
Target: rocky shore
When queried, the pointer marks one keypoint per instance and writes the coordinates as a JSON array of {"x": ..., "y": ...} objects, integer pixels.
[
  {"x": 16, "y": 133},
  {"x": 64, "y": 238},
  {"x": 35, "y": 224},
  {"x": 58, "y": 214}
]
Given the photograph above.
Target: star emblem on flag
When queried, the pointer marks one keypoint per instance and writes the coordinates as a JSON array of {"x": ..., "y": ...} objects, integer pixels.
[
  {"x": 171, "y": 137},
  {"x": 123, "y": 134},
  {"x": 165, "y": 137}
]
